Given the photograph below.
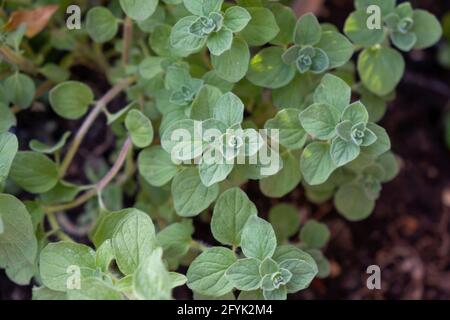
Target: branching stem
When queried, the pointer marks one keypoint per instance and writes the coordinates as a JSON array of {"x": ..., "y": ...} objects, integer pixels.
[
  {"x": 108, "y": 97},
  {"x": 98, "y": 188}
]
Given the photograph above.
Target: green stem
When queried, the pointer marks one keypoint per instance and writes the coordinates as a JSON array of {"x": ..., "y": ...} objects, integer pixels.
[{"x": 56, "y": 229}]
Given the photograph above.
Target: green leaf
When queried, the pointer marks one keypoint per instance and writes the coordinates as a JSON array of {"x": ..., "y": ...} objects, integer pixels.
[
  {"x": 298, "y": 93},
  {"x": 211, "y": 78},
  {"x": 212, "y": 171},
  {"x": 232, "y": 65},
  {"x": 220, "y": 41},
  {"x": 54, "y": 72},
  {"x": 101, "y": 24},
  {"x": 206, "y": 274},
  {"x": 315, "y": 234},
  {"x": 355, "y": 113},
  {"x": 316, "y": 164},
  {"x": 160, "y": 43},
  {"x": 303, "y": 272},
  {"x": 19, "y": 89},
  {"x": 338, "y": 49},
  {"x": 62, "y": 192},
  {"x": 288, "y": 251},
  {"x": 183, "y": 139},
  {"x": 104, "y": 256},
  {"x": 268, "y": 70},
  {"x": 203, "y": 7},
  {"x": 320, "y": 120},
  {"x": 291, "y": 133},
  {"x": 43, "y": 293},
  {"x": 404, "y": 41},
  {"x": 320, "y": 62},
  {"x": 277, "y": 294},
  {"x": 181, "y": 38},
  {"x": 352, "y": 202},
  {"x": 231, "y": 212},
  {"x": 176, "y": 239},
  {"x": 258, "y": 239},
  {"x": 139, "y": 9},
  {"x": 177, "y": 279},
  {"x": 150, "y": 67},
  {"x": 251, "y": 295},
  {"x": 343, "y": 152},
  {"x": 202, "y": 106},
  {"x": 323, "y": 265},
  {"x": 18, "y": 244},
  {"x": 236, "y": 18},
  {"x": 94, "y": 289},
  {"x": 190, "y": 195},
  {"x": 285, "y": 220},
  {"x": 333, "y": 91},
  {"x": 426, "y": 28},
  {"x": 211, "y": 6},
  {"x": 285, "y": 180},
  {"x": 140, "y": 128},
  {"x": 286, "y": 20},
  {"x": 307, "y": 30},
  {"x": 8, "y": 118},
  {"x": 382, "y": 143},
  {"x": 390, "y": 166},
  {"x": 344, "y": 130},
  {"x": 133, "y": 240},
  {"x": 34, "y": 172},
  {"x": 38, "y": 146},
  {"x": 106, "y": 225},
  {"x": 8, "y": 150},
  {"x": 356, "y": 29},
  {"x": 62, "y": 263},
  {"x": 151, "y": 280},
  {"x": 194, "y": 6},
  {"x": 244, "y": 274},
  {"x": 229, "y": 109},
  {"x": 262, "y": 27},
  {"x": 155, "y": 20},
  {"x": 156, "y": 166},
  {"x": 268, "y": 266},
  {"x": 381, "y": 69},
  {"x": 71, "y": 99}
]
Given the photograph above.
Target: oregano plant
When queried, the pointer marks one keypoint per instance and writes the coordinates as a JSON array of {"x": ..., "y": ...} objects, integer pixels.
[{"x": 205, "y": 96}]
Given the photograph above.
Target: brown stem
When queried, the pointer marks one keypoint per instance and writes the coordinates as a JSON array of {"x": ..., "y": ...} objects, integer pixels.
[
  {"x": 110, "y": 95},
  {"x": 127, "y": 37},
  {"x": 15, "y": 59},
  {"x": 100, "y": 185}
]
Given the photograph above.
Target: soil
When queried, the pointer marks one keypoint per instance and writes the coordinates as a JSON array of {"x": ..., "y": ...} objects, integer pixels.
[{"x": 408, "y": 235}]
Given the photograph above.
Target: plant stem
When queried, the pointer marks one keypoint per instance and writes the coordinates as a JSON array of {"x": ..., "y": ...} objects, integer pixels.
[
  {"x": 15, "y": 59},
  {"x": 56, "y": 229},
  {"x": 110, "y": 95},
  {"x": 98, "y": 188},
  {"x": 116, "y": 167},
  {"x": 127, "y": 37}
]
